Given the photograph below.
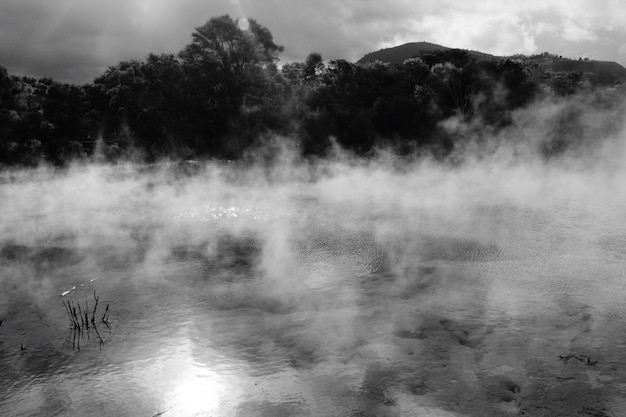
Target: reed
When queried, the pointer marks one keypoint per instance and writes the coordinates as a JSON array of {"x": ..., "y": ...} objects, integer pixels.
[{"x": 83, "y": 321}]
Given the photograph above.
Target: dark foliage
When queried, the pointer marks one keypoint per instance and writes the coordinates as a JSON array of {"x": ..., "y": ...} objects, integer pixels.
[{"x": 223, "y": 92}]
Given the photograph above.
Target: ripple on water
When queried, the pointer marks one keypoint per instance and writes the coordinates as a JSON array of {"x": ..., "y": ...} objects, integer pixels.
[
  {"x": 614, "y": 244},
  {"x": 468, "y": 323}
]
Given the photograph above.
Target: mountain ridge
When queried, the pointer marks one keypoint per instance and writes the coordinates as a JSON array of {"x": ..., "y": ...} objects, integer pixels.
[{"x": 609, "y": 71}]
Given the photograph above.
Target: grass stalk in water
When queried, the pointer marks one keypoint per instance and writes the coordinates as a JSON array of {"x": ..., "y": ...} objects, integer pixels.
[{"x": 79, "y": 321}]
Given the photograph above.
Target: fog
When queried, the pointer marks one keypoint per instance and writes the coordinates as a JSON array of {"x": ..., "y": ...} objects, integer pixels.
[{"x": 486, "y": 284}]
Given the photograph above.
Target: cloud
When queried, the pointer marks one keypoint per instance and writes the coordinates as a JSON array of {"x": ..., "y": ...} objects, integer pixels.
[
  {"x": 75, "y": 40},
  {"x": 476, "y": 32},
  {"x": 575, "y": 33}
]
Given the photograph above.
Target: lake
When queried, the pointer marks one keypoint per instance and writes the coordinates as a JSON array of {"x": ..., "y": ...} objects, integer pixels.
[{"x": 355, "y": 290}]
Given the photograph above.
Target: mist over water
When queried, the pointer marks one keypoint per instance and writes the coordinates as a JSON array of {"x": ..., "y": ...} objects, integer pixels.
[{"x": 341, "y": 287}]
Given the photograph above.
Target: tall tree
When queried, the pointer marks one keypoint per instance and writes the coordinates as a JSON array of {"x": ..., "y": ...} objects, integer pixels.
[
  {"x": 225, "y": 64},
  {"x": 223, "y": 45}
]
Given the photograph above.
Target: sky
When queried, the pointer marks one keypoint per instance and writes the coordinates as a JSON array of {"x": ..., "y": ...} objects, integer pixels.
[{"x": 76, "y": 40}]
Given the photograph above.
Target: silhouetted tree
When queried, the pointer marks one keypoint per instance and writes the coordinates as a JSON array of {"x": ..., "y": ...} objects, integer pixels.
[{"x": 222, "y": 62}]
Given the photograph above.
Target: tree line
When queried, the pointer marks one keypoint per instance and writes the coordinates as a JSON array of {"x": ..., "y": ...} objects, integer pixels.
[{"x": 224, "y": 91}]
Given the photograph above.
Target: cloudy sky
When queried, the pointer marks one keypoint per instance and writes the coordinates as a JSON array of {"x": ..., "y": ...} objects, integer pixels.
[{"x": 75, "y": 40}]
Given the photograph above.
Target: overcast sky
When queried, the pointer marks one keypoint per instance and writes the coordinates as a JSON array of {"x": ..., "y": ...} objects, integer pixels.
[{"x": 75, "y": 40}]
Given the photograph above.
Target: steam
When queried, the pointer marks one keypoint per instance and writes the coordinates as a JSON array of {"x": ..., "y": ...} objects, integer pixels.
[
  {"x": 342, "y": 240},
  {"x": 275, "y": 194}
]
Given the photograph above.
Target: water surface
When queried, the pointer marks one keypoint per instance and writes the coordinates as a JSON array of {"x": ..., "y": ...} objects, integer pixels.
[{"x": 321, "y": 299}]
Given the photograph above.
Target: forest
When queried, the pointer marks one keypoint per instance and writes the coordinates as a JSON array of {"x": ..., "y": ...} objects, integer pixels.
[{"x": 224, "y": 93}]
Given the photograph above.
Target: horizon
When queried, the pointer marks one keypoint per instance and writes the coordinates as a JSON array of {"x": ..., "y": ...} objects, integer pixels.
[
  {"x": 76, "y": 41},
  {"x": 280, "y": 63}
]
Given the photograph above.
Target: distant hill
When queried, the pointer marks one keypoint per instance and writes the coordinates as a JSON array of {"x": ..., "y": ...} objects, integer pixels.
[
  {"x": 602, "y": 72},
  {"x": 398, "y": 54}
]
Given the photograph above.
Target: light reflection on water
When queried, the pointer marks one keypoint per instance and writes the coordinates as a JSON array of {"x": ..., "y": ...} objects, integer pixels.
[{"x": 364, "y": 325}]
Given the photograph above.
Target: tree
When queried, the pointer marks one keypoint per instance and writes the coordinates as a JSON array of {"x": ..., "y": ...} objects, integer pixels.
[
  {"x": 117, "y": 93},
  {"x": 68, "y": 122},
  {"x": 7, "y": 103},
  {"x": 221, "y": 44},
  {"x": 418, "y": 71},
  {"x": 460, "y": 83},
  {"x": 162, "y": 117},
  {"x": 224, "y": 66},
  {"x": 313, "y": 66}
]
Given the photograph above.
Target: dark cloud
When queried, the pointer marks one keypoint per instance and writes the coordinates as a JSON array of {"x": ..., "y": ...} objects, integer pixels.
[{"x": 74, "y": 40}]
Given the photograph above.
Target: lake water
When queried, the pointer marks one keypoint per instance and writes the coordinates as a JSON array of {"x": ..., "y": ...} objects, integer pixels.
[{"x": 366, "y": 292}]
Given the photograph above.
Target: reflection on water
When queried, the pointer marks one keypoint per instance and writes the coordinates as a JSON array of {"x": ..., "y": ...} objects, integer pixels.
[{"x": 319, "y": 310}]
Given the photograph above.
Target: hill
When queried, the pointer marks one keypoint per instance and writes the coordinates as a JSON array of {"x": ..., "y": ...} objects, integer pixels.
[
  {"x": 398, "y": 54},
  {"x": 598, "y": 72}
]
